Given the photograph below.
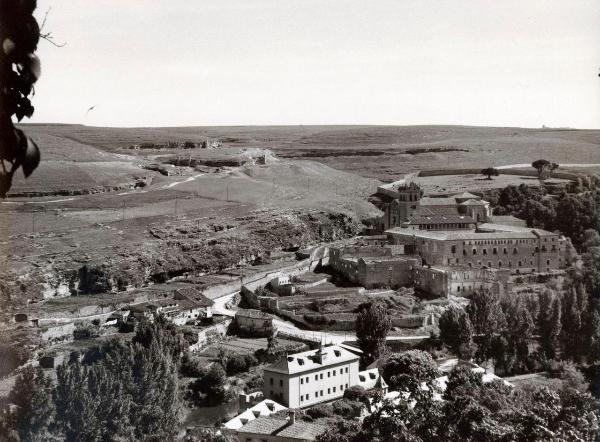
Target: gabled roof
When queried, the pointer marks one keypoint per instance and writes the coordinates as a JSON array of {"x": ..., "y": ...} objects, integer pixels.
[
  {"x": 429, "y": 201},
  {"x": 263, "y": 408},
  {"x": 465, "y": 195},
  {"x": 371, "y": 378},
  {"x": 252, "y": 313},
  {"x": 440, "y": 219},
  {"x": 310, "y": 360},
  {"x": 264, "y": 425},
  {"x": 473, "y": 202},
  {"x": 302, "y": 431}
]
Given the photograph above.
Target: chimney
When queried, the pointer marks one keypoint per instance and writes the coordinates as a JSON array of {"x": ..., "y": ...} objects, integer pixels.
[{"x": 292, "y": 416}]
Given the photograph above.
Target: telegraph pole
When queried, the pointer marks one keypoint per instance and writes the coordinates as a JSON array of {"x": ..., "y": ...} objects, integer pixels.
[{"x": 123, "y": 212}]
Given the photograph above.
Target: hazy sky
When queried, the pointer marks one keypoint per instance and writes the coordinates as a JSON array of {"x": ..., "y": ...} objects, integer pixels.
[{"x": 401, "y": 62}]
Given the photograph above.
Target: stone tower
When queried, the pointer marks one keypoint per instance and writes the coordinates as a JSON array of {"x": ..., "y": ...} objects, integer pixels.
[{"x": 407, "y": 203}]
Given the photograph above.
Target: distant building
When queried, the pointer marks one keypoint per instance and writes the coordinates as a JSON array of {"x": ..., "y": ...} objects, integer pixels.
[
  {"x": 187, "y": 304},
  {"x": 519, "y": 249},
  {"x": 403, "y": 205},
  {"x": 254, "y": 322},
  {"x": 280, "y": 429}
]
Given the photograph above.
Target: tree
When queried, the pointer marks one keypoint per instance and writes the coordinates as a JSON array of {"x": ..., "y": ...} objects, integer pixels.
[
  {"x": 372, "y": 327},
  {"x": 549, "y": 323},
  {"x": 487, "y": 319},
  {"x": 209, "y": 388},
  {"x": 544, "y": 168},
  {"x": 489, "y": 172},
  {"x": 407, "y": 371},
  {"x": 456, "y": 331},
  {"x": 33, "y": 413},
  {"x": 19, "y": 69}
]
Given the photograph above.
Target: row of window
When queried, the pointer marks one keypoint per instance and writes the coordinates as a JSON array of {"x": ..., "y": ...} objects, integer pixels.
[
  {"x": 306, "y": 379},
  {"x": 319, "y": 393},
  {"x": 489, "y": 264}
]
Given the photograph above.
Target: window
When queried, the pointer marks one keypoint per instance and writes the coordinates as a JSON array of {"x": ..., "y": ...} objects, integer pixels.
[
  {"x": 341, "y": 387},
  {"x": 321, "y": 376},
  {"x": 307, "y": 396},
  {"x": 474, "y": 251},
  {"x": 334, "y": 389},
  {"x": 316, "y": 377},
  {"x": 520, "y": 263},
  {"x": 453, "y": 249},
  {"x": 547, "y": 262},
  {"x": 485, "y": 251},
  {"x": 346, "y": 369},
  {"x": 334, "y": 372},
  {"x": 515, "y": 251},
  {"x": 495, "y": 251},
  {"x": 302, "y": 380},
  {"x": 346, "y": 385},
  {"x": 328, "y": 374},
  {"x": 505, "y": 251},
  {"x": 321, "y": 393},
  {"x": 271, "y": 381},
  {"x": 301, "y": 398},
  {"x": 306, "y": 379},
  {"x": 281, "y": 382},
  {"x": 329, "y": 391}
]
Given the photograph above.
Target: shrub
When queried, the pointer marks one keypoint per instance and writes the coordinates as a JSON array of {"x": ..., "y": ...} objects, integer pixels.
[
  {"x": 323, "y": 410},
  {"x": 347, "y": 409}
]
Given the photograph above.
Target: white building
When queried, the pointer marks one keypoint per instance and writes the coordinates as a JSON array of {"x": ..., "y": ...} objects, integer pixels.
[{"x": 308, "y": 378}]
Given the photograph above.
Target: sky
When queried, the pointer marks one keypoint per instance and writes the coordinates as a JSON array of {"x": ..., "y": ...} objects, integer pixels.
[{"x": 522, "y": 63}]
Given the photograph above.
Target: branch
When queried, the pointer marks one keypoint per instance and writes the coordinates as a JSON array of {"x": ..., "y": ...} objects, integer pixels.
[{"x": 48, "y": 35}]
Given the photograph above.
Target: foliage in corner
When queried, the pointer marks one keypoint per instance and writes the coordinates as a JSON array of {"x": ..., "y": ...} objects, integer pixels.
[{"x": 19, "y": 69}]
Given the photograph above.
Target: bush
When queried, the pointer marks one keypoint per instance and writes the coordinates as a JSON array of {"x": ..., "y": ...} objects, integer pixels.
[
  {"x": 347, "y": 409},
  {"x": 240, "y": 364},
  {"x": 323, "y": 410},
  {"x": 356, "y": 393},
  {"x": 190, "y": 366},
  {"x": 209, "y": 388}
]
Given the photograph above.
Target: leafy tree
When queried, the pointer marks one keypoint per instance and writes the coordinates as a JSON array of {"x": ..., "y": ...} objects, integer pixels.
[
  {"x": 593, "y": 354},
  {"x": 408, "y": 370},
  {"x": 487, "y": 318},
  {"x": 33, "y": 413},
  {"x": 19, "y": 69},
  {"x": 489, "y": 172},
  {"x": 372, "y": 327},
  {"x": 456, "y": 331},
  {"x": 549, "y": 323},
  {"x": 209, "y": 388},
  {"x": 544, "y": 168}
]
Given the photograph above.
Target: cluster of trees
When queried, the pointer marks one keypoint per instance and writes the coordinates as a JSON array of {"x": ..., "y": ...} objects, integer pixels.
[
  {"x": 119, "y": 391},
  {"x": 470, "y": 409},
  {"x": 544, "y": 168},
  {"x": 571, "y": 214},
  {"x": 502, "y": 329}
]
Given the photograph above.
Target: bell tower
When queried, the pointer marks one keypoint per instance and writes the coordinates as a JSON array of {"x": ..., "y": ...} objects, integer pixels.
[{"x": 409, "y": 197}]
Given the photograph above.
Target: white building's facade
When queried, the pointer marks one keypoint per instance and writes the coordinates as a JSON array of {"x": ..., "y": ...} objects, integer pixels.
[{"x": 308, "y": 378}]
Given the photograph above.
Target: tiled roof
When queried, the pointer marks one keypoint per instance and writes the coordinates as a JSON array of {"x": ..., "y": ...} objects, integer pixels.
[
  {"x": 251, "y": 313},
  {"x": 471, "y": 235},
  {"x": 441, "y": 219},
  {"x": 466, "y": 195},
  {"x": 473, "y": 202},
  {"x": 264, "y": 425},
  {"x": 371, "y": 378},
  {"x": 429, "y": 201},
  {"x": 263, "y": 408},
  {"x": 308, "y": 360},
  {"x": 303, "y": 431}
]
